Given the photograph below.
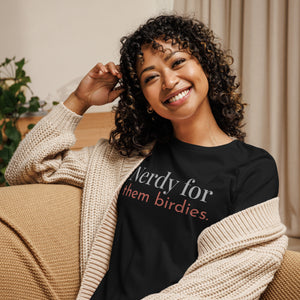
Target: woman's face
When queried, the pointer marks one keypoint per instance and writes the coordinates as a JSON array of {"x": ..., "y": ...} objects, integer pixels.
[{"x": 173, "y": 82}]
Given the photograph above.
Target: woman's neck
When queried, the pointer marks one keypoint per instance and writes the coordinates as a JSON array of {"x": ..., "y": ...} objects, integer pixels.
[{"x": 201, "y": 130}]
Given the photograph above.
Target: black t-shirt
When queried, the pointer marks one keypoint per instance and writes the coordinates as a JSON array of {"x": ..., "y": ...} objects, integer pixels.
[{"x": 168, "y": 200}]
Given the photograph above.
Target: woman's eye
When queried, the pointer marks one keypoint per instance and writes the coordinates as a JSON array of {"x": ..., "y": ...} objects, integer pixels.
[
  {"x": 149, "y": 78},
  {"x": 178, "y": 62}
]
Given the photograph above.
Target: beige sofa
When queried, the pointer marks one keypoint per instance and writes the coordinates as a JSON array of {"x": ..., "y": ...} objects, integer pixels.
[{"x": 39, "y": 246}]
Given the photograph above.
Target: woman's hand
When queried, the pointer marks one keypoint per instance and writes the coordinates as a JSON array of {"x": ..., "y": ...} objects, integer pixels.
[{"x": 96, "y": 88}]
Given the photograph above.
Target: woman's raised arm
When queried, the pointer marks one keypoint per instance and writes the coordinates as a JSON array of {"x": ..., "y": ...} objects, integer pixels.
[{"x": 44, "y": 155}]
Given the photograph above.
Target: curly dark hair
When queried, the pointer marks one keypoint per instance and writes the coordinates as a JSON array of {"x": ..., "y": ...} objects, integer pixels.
[{"x": 134, "y": 127}]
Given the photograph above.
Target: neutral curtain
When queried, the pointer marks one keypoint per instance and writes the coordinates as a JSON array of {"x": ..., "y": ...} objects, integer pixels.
[{"x": 264, "y": 36}]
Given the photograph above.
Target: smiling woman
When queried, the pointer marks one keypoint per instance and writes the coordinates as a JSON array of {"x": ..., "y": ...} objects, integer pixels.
[
  {"x": 174, "y": 200},
  {"x": 176, "y": 88},
  {"x": 171, "y": 79},
  {"x": 192, "y": 61}
]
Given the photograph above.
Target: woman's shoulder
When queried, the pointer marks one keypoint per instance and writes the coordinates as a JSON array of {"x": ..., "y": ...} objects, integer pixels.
[
  {"x": 256, "y": 177},
  {"x": 105, "y": 150},
  {"x": 250, "y": 152},
  {"x": 256, "y": 163}
]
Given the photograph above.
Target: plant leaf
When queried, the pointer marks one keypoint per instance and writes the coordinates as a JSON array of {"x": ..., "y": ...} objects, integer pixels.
[
  {"x": 9, "y": 99},
  {"x": 7, "y": 61},
  {"x": 8, "y": 110},
  {"x": 21, "y": 97},
  {"x": 30, "y": 126},
  {"x": 20, "y": 64},
  {"x": 14, "y": 88},
  {"x": 24, "y": 80},
  {"x": 12, "y": 133},
  {"x": 6, "y": 154},
  {"x": 2, "y": 178},
  {"x": 20, "y": 73},
  {"x": 34, "y": 104},
  {"x": 22, "y": 110},
  {"x": 2, "y": 105}
]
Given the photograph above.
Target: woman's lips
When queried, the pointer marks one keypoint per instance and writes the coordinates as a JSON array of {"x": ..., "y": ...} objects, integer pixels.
[{"x": 179, "y": 98}]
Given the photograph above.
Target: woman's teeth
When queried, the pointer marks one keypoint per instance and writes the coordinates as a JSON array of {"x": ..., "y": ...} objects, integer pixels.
[{"x": 178, "y": 96}]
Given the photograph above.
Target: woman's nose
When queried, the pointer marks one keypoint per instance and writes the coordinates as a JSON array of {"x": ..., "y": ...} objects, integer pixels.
[{"x": 170, "y": 79}]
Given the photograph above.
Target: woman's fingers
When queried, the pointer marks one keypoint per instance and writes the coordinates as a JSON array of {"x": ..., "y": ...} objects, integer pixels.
[
  {"x": 114, "y": 69},
  {"x": 101, "y": 69},
  {"x": 98, "y": 70}
]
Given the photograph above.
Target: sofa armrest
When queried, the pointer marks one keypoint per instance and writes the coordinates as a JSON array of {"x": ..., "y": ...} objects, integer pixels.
[
  {"x": 286, "y": 282},
  {"x": 39, "y": 241}
]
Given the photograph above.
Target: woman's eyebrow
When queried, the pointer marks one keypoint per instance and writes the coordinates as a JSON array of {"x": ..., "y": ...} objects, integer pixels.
[
  {"x": 170, "y": 55},
  {"x": 147, "y": 69}
]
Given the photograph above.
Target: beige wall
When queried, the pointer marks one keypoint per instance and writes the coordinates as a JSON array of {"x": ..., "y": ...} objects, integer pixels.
[{"x": 63, "y": 39}]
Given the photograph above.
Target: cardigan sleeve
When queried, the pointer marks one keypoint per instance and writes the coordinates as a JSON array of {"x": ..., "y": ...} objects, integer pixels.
[
  {"x": 44, "y": 155},
  {"x": 238, "y": 257}
]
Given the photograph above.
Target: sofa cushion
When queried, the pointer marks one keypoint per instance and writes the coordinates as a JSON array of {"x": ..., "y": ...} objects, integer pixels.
[
  {"x": 39, "y": 241},
  {"x": 286, "y": 282}
]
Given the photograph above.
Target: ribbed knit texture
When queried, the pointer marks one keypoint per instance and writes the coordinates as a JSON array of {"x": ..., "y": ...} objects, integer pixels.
[
  {"x": 106, "y": 172},
  {"x": 238, "y": 256},
  {"x": 39, "y": 242},
  {"x": 286, "y": 282}
]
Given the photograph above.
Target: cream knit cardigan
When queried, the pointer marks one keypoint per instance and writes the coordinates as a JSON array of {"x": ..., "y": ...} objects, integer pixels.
[{"x": 238, "y": 256}]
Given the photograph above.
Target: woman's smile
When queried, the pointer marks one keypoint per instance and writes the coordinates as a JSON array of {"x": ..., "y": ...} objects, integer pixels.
[
  {"x": 178, "y": 97},
  {"x": 172, "y": 81}
]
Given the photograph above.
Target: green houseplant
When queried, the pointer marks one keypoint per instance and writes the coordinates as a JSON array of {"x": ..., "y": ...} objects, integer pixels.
[{"x": 13, "y": 104}]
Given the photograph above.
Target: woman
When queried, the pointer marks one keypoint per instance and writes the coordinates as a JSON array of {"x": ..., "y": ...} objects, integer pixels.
[{"x": 175, "y": 205}]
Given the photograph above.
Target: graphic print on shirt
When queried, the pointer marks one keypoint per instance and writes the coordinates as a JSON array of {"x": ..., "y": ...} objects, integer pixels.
[{"x": 163, "y": 184}]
